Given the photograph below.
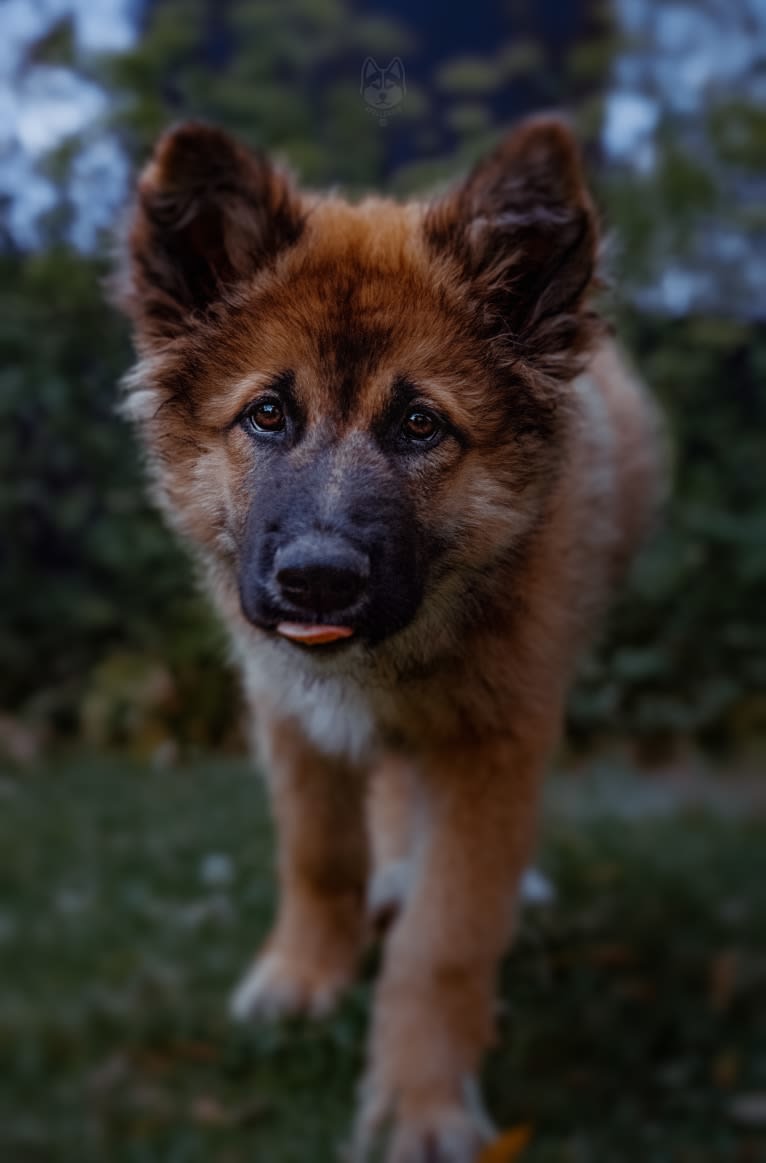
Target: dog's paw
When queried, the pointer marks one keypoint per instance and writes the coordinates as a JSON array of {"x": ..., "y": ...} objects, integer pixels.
[
  {"x": 387, "y": 892},
  {"x": 451, "y": 1133},
  {"x": 536, "y": 890},
  {"x": 449, "y": 1136},
  {"x": 280, "y": 987}
]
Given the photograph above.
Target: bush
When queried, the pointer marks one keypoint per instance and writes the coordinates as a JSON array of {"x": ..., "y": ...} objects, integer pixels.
[{"x": 86, "y": 568}]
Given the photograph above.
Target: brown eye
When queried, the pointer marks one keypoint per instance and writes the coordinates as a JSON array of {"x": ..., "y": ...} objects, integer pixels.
[
  {"x": 420, "y": 425},
  {"x": 266, "y": 416}
]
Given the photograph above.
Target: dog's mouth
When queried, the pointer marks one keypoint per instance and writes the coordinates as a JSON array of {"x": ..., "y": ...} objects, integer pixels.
[{"x": 313, "y": 634}]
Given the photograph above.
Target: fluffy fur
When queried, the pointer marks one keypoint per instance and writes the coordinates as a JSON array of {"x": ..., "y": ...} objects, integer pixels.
[{"x": 420, "y": 744}]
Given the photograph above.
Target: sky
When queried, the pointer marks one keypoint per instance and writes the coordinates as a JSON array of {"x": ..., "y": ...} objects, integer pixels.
[{"x": 42, "y": 106}]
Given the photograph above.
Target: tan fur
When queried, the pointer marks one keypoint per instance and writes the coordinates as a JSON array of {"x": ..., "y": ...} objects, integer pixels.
[{"x": 482, "y": 299}]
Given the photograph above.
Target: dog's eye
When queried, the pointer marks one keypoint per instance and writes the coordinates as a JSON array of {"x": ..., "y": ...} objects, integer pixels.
[
  {"x": 266, "y": 416},
  {"x": 421, "y": 425}
]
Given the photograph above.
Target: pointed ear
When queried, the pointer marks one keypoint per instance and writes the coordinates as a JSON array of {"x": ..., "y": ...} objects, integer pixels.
[
  {"x": 369, "y": 71},
  {"x": 396, "y": 70},
  {"x": 523, "y": 230},
  {"x": 209, "y": 213}
]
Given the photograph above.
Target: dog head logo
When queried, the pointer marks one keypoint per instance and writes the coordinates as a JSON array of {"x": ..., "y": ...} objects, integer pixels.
[{"x": 383, "y": 89}]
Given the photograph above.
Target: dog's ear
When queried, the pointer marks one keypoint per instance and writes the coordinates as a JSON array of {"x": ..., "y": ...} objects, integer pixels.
[
  {"x": 209, "y": 213},
  {"x": 370, "y": 71},
  {"x": 395, "y": 71},
  {"x": 523, "y": 230}
]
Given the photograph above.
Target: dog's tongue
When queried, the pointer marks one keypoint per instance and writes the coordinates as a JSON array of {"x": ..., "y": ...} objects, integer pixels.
[{"x": 313, "y": 635}]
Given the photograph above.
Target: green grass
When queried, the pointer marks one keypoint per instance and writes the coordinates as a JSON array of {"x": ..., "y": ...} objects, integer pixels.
[{"x": 634, "y": 1017}]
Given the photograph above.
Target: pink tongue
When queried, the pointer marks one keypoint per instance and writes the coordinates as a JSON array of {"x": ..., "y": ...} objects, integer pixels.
[{"x": 313, "y": 635}]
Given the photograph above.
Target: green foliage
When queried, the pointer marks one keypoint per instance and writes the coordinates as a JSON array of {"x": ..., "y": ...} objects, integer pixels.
[
  {"x": 56, "y": 47},
  {"x": 86, "y": 569},
  {"x": 469, "y": 76},
  {"x": 521, "y": 58},
  {"x": 687, "y": 648},
  {"x": 738, "y": 129},
  {"x": 290, "y": 83}
]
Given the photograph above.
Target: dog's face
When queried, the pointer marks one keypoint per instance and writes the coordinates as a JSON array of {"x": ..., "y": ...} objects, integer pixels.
[
  {"x": 383, "y": 88},
  {"x": 353, "y": 410}
]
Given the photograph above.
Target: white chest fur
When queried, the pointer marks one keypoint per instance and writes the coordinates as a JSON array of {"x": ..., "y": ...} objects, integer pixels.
[{"x": 336, "y": 707}]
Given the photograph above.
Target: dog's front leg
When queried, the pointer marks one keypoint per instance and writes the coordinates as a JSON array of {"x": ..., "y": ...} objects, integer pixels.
[
  {"x": 434, "y": 1014},
  {"x": 311, "y": 955}
]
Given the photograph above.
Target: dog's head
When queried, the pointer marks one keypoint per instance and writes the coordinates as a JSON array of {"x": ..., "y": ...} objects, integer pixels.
[
  {"x": 383, "y": 89},
  {"x": 351, "y": 410}
]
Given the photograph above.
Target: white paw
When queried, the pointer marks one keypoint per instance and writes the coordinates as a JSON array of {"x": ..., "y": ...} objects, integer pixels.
[
  {"x": 276, "y": 988},
  {"x": 387, "y": 892},
  {"x": 536, "y": 889},
  {"x": 448, "y": 1137},
  {"x": 447, "y": 1134}
]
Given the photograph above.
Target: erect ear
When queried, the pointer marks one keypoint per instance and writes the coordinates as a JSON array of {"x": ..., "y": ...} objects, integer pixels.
[
  {"x": 395, "y": 70},
  {"x": 370, "y": 71},
  {"x": 523, "y": 230},
  {"x": 208, "y": 214}
]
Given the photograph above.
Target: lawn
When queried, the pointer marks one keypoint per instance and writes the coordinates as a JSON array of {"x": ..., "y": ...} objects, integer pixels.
[{"x": 633, "y": 1024}]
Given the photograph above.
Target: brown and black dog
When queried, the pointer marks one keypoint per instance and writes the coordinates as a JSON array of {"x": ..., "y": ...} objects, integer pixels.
[{"x": 412, "y": 466}]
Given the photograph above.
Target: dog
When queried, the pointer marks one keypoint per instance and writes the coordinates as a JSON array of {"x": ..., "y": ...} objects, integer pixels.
[
  {"x": 412, "y": 465},
  {"x": 383, "y": 90}
]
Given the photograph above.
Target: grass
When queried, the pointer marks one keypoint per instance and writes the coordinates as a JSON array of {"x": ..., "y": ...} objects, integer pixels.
[{"x": 634, "y": 1016}]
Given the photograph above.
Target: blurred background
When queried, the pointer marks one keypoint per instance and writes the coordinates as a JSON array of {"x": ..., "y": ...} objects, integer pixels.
[{"x": 112, "y": 670}]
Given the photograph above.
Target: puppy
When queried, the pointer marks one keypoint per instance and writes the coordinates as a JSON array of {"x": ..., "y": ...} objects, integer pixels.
[{"x": 412, "y": 467}]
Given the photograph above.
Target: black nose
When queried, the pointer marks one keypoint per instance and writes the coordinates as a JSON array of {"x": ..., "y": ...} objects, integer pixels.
[{"x": 320, "y": 575}]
